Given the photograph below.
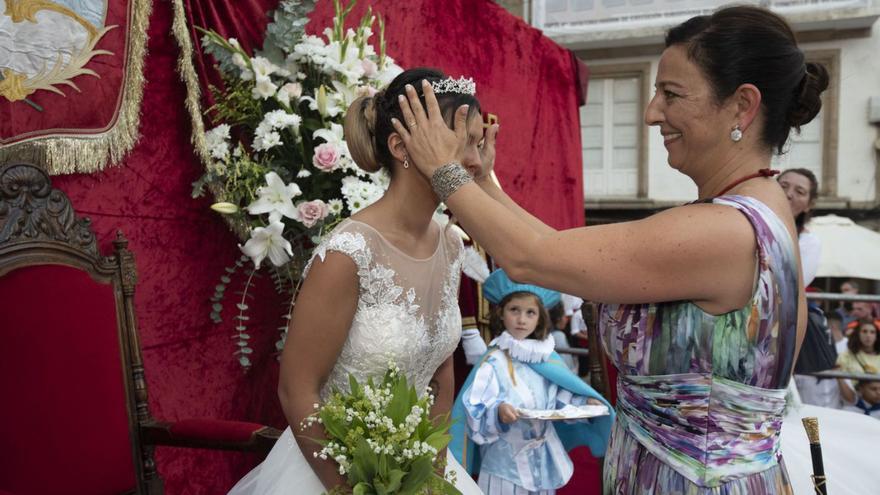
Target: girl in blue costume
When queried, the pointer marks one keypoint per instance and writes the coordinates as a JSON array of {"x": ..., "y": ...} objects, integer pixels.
[{"x": 521, "y": 371}]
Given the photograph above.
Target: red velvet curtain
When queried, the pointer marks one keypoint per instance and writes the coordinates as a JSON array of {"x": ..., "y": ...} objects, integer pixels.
[{"x": 182, "y": 247}]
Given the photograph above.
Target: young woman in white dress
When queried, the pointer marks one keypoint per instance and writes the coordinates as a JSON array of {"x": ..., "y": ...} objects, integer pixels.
[{"x": 383, "y": 286}]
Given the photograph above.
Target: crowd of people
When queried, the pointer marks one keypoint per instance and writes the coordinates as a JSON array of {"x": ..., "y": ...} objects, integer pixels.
[{"x": 851, "y": 327}]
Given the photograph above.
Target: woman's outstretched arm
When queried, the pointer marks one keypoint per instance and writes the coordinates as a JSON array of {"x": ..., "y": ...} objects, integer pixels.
[
  {"x": 679, "y": 254},
  {"x": 319, "y": 327}
]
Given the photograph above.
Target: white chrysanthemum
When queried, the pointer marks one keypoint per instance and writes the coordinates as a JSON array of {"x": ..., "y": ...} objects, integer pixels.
[
  {"x": 217, "y": 142},
  {"x": 279, "y": 119},
  {"x": 336, "y": 206},
  {"x": 266, "y": 140}
]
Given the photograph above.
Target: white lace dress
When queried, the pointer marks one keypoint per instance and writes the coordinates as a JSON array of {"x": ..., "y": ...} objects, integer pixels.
[{"x": 407, "y": 313}]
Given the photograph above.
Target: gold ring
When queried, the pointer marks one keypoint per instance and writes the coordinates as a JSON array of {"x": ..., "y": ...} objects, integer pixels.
[{"x": 411, "y": 124}]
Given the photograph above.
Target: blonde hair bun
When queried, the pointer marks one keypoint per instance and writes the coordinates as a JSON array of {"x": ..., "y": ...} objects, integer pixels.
[{"x": 359, "y": 126}]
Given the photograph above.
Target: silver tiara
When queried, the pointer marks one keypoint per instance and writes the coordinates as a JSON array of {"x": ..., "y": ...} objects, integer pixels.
[{"x": 450, "y": 85}]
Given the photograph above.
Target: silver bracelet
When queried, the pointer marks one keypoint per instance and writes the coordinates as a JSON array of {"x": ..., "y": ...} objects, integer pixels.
[{"x": 448, "y": 178}]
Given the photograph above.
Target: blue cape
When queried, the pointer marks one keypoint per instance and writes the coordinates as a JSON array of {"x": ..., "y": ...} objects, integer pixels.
[{"x": 593, "y": 433}]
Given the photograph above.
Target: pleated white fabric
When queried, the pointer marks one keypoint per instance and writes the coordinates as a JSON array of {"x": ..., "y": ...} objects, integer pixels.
[{"x": 493, "y": 485}]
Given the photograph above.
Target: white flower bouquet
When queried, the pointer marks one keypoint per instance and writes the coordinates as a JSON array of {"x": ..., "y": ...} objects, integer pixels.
[
  {"x": 383, "y": 439},
  {"x": 280, "y": 168}
]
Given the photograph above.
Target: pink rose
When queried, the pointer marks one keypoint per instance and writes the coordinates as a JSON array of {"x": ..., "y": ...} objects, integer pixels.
[
  {"x": 370, "y": 67},
  {"x": 326, "y": 157},
  {"x": 310, "y": 212}
]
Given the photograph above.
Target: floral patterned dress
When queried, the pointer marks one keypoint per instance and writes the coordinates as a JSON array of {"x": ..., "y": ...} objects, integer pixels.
[{"x": 701, "y": 397}]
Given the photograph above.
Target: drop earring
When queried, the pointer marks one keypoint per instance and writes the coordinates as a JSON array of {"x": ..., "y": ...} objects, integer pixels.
[
  {"x": 405, "y": 161},
  {"x": 736, "y": 134}
]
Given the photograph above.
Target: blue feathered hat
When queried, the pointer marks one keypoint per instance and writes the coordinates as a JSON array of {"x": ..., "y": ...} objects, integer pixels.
[{"x": 499, "y": 285}]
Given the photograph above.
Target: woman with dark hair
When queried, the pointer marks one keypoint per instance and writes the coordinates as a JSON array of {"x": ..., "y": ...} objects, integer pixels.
[
  {"x": 704, "y": 308},
  {"x": 862, "y": 355},
  {"x": 381, "y": 288},
  {"x": 801, "y": 188}
]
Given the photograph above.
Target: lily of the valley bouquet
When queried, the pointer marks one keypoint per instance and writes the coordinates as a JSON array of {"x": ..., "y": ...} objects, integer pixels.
[
  {"x": 383, "y": 439},
  {"x": 280, "y": 167}
]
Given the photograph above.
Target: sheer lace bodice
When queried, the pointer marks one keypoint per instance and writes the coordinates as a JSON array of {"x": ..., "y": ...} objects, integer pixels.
[{"x": 407, "y": 309}]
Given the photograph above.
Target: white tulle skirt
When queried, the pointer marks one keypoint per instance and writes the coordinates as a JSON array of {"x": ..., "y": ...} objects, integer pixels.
[{"x": 286, "y": 471}]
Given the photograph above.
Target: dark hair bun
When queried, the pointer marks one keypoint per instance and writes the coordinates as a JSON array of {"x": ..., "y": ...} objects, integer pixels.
[{"x": 808, "y": 101}]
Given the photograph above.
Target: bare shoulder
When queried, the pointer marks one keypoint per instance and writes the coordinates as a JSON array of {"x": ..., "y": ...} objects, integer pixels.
[{"x": 703, "y": 229}]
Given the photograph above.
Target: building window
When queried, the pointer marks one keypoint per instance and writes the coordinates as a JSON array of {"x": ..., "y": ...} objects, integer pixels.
[
  {"x": 613, "y": 134},
  {"x": 803, "y": 150}
]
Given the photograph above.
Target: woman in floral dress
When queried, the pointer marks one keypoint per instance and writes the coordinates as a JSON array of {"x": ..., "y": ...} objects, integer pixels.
[{"x": 704, "y": 307}]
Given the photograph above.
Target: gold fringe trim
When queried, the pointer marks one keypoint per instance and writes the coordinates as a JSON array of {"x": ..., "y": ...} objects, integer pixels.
[
  {"x": 188, "y": 74},
  {"x": 87, "y": 154},
  {"x": 193, "y": 104}
]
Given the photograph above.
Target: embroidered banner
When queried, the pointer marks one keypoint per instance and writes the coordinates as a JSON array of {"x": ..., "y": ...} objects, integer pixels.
[{"x": 71, "y": 81}]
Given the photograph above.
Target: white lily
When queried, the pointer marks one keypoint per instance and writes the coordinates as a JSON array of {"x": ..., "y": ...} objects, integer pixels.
[
  {"x": 263, "y": 67},
  {"x": 344, "y": 94},
  {"x": 327, "y": 107},
  {"x": 276, "y": 199},
  {"x": 268, "y": 241},
  {"x": 333, "y": 135},
  {"x": 264, "y": 88}
]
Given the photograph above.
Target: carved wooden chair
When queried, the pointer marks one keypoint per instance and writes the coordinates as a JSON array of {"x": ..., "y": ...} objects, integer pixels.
[{"x": 75, "y": 417}]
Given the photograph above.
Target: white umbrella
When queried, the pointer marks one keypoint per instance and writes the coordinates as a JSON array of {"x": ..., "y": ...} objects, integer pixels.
[{"x": 848, "y": 250}]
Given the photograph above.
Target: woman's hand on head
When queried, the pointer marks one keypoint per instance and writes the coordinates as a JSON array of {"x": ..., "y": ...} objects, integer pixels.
[
  {"x": 429, "y": 142},
  {"x": 487, "y": 154}
]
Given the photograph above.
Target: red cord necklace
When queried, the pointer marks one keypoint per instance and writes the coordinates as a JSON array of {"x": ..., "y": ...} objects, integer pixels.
[{"x": 764, "y": 172}]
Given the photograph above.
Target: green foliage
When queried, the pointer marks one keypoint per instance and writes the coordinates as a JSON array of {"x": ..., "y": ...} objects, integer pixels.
[
  {"x": 273, "y": 110},
  {"x": 287, "y": 27},
  {"x": 383, "y": 439}
]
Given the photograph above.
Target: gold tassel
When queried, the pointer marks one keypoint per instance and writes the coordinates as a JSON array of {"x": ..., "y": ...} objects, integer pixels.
[
  {"x": 87, "y": 154},
  {"x": 193, "y": 104},
  {"x": 510, "y": 368}
]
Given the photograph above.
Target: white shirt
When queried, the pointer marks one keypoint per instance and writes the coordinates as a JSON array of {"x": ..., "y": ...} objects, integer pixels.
[{"x": 811, "y": 251}]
